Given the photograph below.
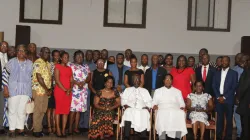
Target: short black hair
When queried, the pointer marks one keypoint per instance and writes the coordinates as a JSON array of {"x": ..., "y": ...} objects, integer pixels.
[
  {"x": 108, "y": 78},
  {"x": 169, "y": 75},
  {"x": 185, "y": 59},
  {"x": 43, "y": 49},
  {"x": 144, "y": 55},
  {"x": 167, "y": 55},
  {"x": 219, "y": 57},
  {"x": 120, "y": 54},
  {"x": 191, "y": 57},
  {"x": 96, "y": 51},
  {"x": 63, "y": 53},
  {"x": 55, "y": 51},
  {"x": 204, "y": 49},
  {"x": 88, "y": 51},
  {"x": 21, "y": 45},
  {"x": 133, "y": 57},
  {"x": 227, "y": 58},
  {"x": 77, "y": 53}
]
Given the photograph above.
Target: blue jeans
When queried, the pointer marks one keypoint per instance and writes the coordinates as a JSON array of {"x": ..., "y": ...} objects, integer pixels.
[
  {"x": 237, "y": 121},
  {"x": 84, "y": 116}
]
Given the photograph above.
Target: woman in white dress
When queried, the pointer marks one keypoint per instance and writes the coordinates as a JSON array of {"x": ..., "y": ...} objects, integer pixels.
[
  {"x": 170, "y": 118},
  {"x": 199, "y": 104}
]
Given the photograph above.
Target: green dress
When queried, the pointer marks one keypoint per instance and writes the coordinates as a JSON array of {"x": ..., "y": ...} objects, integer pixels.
[{"x": 102, "y": 120}]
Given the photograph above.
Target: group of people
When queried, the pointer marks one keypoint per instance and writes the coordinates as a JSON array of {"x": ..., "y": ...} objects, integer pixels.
[{"x": 63, "y": 89}]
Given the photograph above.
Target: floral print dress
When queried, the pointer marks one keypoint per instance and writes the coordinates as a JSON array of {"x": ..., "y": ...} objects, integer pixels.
[{"x": 79, "y": 96}]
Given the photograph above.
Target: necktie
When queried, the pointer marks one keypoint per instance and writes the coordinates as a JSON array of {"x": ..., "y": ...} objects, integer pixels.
[{"x": 204, "y": 76}]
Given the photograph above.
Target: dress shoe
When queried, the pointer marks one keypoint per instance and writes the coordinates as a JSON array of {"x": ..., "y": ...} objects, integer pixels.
[{"x": 37, "y": 134}]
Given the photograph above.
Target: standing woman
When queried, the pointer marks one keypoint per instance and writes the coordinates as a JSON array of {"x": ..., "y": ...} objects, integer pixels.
[
  {"x": 63, "y": 92},
  {"x": 183, "y": 75},
  {"x": 81, "y": 75},
  {"x": 168, "y": 63},
  {"x": 97, "y": 79},
  {"x": 51, "y": 103},
  {"x": 128, "y": 81},
  {"x": 32, "y": 55},
  {"x": 17, "y": 88}
]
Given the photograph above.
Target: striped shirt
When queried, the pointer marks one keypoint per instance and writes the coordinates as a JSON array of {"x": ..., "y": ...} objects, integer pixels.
[
  {"x": 210, "y": 63},
  {"x": 17, "y": 77}
]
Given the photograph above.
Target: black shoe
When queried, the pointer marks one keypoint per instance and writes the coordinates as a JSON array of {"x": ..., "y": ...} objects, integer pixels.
[
  {"x": 22, "y": 134},
  {"x": 41, "y": 134},
  {"x": 12, "y": 134},
  {"x": 37, "y": 134}
]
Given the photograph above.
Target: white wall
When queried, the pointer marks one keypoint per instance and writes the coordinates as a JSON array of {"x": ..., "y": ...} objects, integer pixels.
[{"x": 166, "y": 29}]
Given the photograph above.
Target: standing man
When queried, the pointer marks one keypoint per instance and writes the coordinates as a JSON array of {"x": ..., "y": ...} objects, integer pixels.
[
  {"x": 89, "y": 61},
  {"x": 96, "y": 55},
  {"x": 205, "y": 73},
  {"x": 128, "y": 54},
  {"x": 224, "y": 86},
  {"x": 11, "y": 52},
  {"x": 104, "y": 56},
  {"x": 201, "y": 53},
  {"x": 244, "y": 98},
  {"x": 41, "y": 86},
  {"x": 118, "y": 71},
  {"x": 191, "y": 61},
  {"x": 154, "y": 76},
  {"x": 3, "y": 101},
  {"x": 239, "y": 69},
  {"x": 218, "y": 62},
  {"x": 144, "y": 63}
]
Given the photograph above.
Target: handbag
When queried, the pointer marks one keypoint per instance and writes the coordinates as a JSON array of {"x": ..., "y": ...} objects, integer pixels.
[{"x": 30, "y": 107}]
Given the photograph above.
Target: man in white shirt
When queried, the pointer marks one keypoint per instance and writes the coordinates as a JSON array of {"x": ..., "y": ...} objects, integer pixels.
[
  {"x": 144, "y": 63},
  {"x": 136, "y": 102},
  {"x": 224, "y": 86},
  {"x": 128, "y": 53},
  {"x": 170, "y": 117},
  {"x": 3, "y": 102}
]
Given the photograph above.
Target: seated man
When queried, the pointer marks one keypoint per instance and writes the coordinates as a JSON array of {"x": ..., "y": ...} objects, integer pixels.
[
  {"x": 136, "y": 101},
  {"x": 170, "y": 117}
]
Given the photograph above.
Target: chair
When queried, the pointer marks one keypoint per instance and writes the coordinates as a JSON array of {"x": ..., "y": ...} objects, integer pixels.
[
  {"x": 151, "y": 119},
  {"x": 116, "y": 121},
  {"x": 211, "y": 127}
]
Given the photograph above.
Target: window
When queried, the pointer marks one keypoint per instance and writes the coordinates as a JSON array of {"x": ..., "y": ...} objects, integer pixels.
[
  {"x": 125, "y": 13},
  {"x": 41, "y": 11},
  {"x": 209, "y": 15}
]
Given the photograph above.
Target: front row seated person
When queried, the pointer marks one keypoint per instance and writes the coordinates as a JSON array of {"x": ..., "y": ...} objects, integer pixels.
[
  {"x": 136, "y": 102},
  {"x": 170, "y": 115},
  {"x": 199, "y": 103}
]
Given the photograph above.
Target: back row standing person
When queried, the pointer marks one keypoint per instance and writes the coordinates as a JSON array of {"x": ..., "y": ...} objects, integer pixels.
[
  {"x": 118, "y": 70},
  {"x": 32, "y": 55},
  {"x": 168, "y": 65},
  {"x": 201, "y": 53},
  {"x": 128, "y": 54},
  {"x": 41, "y": 89},
  {"x": 144, "y": 63},
  {"x": 81, "y": 78}
]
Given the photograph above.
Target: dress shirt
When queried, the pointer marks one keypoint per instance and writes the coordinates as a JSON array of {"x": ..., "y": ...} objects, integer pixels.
[
  {"x": 154, "y": 76},
  {"x": 120, "y": 71},
  {"x": 222, "y": 81},
  {"x": 4, "y": 59},
  {"x": 127, "y": 63},
  {"x": 202, "y": 69},
  {"x": 143, "y": 68}
]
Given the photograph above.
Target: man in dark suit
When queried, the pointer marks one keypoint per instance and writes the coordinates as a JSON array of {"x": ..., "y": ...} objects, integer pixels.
[
  {"x": 243, "y": 96},
  {"x": 224, "y": 86},
  {"x": 154, "y": 76},
  {"x": 206, "y": 74},
  {"x": 118, "y": 71}
]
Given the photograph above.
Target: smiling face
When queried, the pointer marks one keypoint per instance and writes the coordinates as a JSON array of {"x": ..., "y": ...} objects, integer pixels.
[
  {"x": 79, "y": 58},
  {"x": 21, "y": 52},
  {"x": 182, "y": 62},
  {"x": 169, "y": 60},
  {"x": 100, "y": 64},
  {"x": 109, "y": 84},
  {"x": 65, "y": 58},
  {"x": 168, "y": 81},
  {"x": 133, "y": 63}
]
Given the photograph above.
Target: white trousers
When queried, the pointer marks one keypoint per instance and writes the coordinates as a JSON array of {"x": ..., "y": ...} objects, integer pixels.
[{"x": 16, "y": 111}]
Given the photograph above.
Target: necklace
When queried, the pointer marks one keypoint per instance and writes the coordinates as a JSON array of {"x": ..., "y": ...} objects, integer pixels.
[{"x": 181, "y": 71}]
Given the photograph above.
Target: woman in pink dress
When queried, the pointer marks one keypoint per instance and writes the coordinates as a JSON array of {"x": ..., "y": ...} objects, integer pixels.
[
  {"x": 63, "y": 93},
  {"x": 183, "y": 75}
]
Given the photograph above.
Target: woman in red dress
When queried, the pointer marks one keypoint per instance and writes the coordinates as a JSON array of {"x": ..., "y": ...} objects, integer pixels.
[
  {"x": 183, "y": 75},
  {"x": 63, "y": 92}
]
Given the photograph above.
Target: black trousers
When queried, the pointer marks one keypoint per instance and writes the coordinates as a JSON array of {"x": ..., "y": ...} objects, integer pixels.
[
  {"x": 245, "y": 124},
  {"x": 127, "y": 129}
]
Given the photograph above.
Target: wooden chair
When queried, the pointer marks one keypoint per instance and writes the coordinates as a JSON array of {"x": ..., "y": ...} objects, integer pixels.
[
  {"x": 116, "y": 121},
  {"x": 150, "y": 132},
  {"x": 211, "y": 127}
]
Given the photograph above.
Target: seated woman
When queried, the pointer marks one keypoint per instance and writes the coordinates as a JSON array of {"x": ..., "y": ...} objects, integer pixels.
[
  {"x": 170, "y": 119},
  {"x": 199, "y": 104},
  {"x": 105, "y": 103}
]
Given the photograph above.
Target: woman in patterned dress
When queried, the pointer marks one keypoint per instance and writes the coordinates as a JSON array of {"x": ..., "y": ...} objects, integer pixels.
[
  {"x": 81, "y": 75},
  {"x": 51, "y": 103},
  {"x": 105, "y": 103},
  {"x": 199, "y": 104}
]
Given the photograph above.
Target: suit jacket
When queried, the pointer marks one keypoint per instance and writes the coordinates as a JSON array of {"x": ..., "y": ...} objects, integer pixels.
[
  {"x": 159, "y": 78},
  {"x": 209, "y": 80},
  {"x": 244, "y": 94},
  {"x": 114, "y": 70},
  {"x": 230, "y": 85}
]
